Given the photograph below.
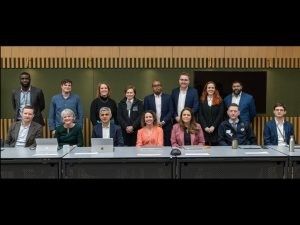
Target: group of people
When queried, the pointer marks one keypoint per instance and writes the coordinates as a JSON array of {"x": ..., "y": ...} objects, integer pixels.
[{"x": 182, "y": 118}]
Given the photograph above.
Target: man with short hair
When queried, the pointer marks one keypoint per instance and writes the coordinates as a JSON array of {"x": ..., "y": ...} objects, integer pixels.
[
  {"x": 28, "y": 95},
  {"x": 234, "y": 128},
  {"x": 278, "y": 131},
  {"x": 23, "y": 133},
  {"x": 63, "y": 101}
]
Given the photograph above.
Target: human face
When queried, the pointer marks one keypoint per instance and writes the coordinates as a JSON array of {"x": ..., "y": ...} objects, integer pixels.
[
  {"x": 105, "y": 116},
  {"x": 210, "y": 89},
  {"x": 186, "y": 116},
  {"x": 233, "y": 112},
  {"x": 149, "y": 119},
  {"x": 279, "y": 112},
  {"x": 25, "y": 80},
  {"x": 27, "y": 115},
  {"x": 236, "y": 88},
  {"x": 68, "y": 119},
  {"x": 130, "y": 94},
  {"x": 156, "y": 87},
  {"x": 184, "y": 81},
  {"x": 103, "y": 90},
  {"x": 66, "y": 88}
]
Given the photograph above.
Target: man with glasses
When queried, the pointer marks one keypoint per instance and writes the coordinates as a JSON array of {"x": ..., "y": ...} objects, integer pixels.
[
  {"x": 107, "y": 129},
  {"x": 161, "y": 104},
  {"x": 28, "y": 95}
]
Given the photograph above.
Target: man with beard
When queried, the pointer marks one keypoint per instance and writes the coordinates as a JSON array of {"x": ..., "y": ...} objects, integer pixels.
[
  {"x": 243, "y": 100},
  {"x": 28, "y": 95}
]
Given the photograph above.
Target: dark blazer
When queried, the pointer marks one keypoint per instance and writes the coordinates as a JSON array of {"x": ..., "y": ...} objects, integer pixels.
[
  {"x": 211, "y": 116},
  {"x": 115, "y": 132},
  {"x": 37, "y": 102},
  {"x": 271, "y": 135},
  {"x": 191, "y": 100},
  {"x": 35, "y": 131},
  {"x": 246, "y": 107},
  {"x": 166, "y": 107}
]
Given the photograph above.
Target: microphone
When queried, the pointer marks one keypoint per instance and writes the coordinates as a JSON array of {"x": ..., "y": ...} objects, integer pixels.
[{"x": 175, "y": 151}]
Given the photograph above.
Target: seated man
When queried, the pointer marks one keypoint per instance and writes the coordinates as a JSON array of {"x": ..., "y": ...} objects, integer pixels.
[
  {"x": 23, "y": 133},
  {"x": 278, "y": 131},
  {"x": 107, "y": 129},
  {"x": 233, "y": 128}
]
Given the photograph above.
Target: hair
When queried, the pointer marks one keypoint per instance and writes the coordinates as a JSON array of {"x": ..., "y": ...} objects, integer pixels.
[
  {"x": 67, "y": 112},
  {"x": 64, "y": 81},
  {"x": 237, "y": 81},
  {"x": 156, "y": 81},
  {"x": 279, "y": 104},
  {"x": 233, "y": 104},
  {"x": 193, "y": 125},
  {"x": 143, "y": 124},
  {"x": 130, "y": 87},
  {"x": 28, "y": 107},
  {"x": 98, "y": 94},
  {"x": 217, "y": 99},
  {"x": 185, "y": 74},
  {"x": 24, "y": 73},
  {"x": 104, "y": 109}
]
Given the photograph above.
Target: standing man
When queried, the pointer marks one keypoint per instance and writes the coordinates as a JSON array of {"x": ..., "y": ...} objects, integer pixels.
[
  {"x": 28, "y": 95},
  {"x": 278, "y": 131},
  {"x": 63, "y": 101},
  {"x": 24, "y": 132},
  {"x": 234, "y": 128},
  {"x": 243, "y": 100},
  {"x": 184, "y": 96},
  {"x": 161, "y": 104}
]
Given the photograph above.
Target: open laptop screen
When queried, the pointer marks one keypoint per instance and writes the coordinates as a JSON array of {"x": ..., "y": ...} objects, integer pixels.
[{"x": 102, "y": 144}]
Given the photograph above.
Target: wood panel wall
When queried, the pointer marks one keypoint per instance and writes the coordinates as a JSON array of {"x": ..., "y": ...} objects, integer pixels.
[{"x": 231, "y": 57}]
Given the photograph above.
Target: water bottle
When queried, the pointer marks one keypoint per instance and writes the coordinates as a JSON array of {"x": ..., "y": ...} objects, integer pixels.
[
  {"x": 234, "y": 143},
  {"x": 292, "y": 144}
]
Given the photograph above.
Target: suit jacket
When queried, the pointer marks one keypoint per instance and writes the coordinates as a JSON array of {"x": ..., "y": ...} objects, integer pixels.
[
  {"x": 166, "y": 108},
  {"x": 246, "y": 107},
  {"x": 191, "y": 100},
  {"x": 35, "y": 131},
  {"x": 37, "y": 102},
  {"x": 271, "y": 135},
  {"x": 177, "y": 136},
  {"x": 114, "y": 132}
]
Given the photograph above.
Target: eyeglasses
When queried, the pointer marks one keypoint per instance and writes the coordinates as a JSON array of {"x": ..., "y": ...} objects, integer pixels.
[
  {"x": 104, "y": 114},
  {"x": 156, "y": 85}
]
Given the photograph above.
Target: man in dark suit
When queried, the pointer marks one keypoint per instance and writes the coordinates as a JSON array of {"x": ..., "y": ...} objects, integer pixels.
[
  {"x": 23, "y": 133},
  {"x": 28, "y": 95},
  {"x": 243, "y": 100},
  {"x": 161, "y": 104},
  {"x": 184, "y": 96},
  {"x": 107, "y": 129},
  {"x": 278, "y": 131}
]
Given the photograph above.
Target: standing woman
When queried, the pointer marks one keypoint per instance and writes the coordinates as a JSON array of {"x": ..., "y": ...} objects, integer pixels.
[
  {"x": 103, "y": 100},
  {"x": 150, "y": 134},
  {"x": 69, "y": 133},
  {"x": 130, "y": 110},
  {"x": 211, "y": 112},
  {"x": 187, "y": 131}
]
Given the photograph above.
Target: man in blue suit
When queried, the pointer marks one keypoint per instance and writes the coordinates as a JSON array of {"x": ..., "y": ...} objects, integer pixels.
[
  {"x": 278, "y": 131},
  {"x": 243, "y": 100},
  {"x": 107, "y": 129},
  {"x": 184, "y": 96},
  {"x": 161, "y": 104}
]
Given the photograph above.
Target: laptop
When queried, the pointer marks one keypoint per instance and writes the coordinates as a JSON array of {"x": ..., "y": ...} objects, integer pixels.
[
  {"x": 46, "y": 145},
  {"x": 102, "y": 144}
]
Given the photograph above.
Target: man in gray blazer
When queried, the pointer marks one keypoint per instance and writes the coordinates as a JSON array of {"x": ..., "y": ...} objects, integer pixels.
[
  {"x": 28, "y": 95},
  {"x": 23, "y": 133}
]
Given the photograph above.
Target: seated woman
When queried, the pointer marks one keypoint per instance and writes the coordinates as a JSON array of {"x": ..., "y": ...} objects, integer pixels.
[
  {"x": 107, "y": 129},
  {"x": 150, "y": 134},
  {"x": 187, "y": 131},
  {"x": 69, "y": 133}
]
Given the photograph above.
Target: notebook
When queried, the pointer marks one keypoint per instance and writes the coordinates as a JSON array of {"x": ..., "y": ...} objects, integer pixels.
[
  {"x": 249, "y": 147},
  {"x": 102, "y": 144}
]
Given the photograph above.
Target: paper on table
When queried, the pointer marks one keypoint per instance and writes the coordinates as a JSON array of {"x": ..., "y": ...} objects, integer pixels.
[
  {"x": 145, "y": 154},
  {"x": 197, "y": 153},
  {"x": 256, "y": 153}
]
